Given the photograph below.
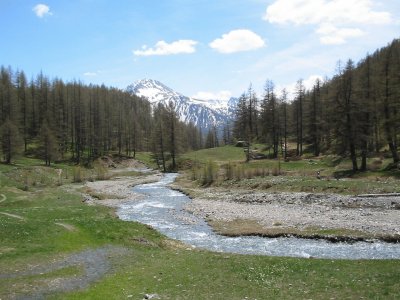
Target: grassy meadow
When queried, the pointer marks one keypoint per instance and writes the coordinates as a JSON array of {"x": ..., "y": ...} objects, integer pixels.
[
  {"x": 42, "y": 221},
  {"x": 226, "y": 167}
]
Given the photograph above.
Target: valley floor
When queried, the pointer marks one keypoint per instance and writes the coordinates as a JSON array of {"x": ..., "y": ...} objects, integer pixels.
[
  {"x": 54, "y": 246},
  {"x": 236, "y": 212}
]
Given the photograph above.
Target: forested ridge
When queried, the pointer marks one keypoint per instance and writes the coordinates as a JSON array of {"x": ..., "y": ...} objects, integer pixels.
[
  {"x": 354, "y": 114},
  {"x": 75, "y": 122}
]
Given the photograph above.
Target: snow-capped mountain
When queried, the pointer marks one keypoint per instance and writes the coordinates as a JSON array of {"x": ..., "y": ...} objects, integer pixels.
[{"x": 204, "y": 114}]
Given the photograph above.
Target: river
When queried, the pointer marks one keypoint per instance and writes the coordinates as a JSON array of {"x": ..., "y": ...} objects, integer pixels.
[{"x": 162, "y": 208}]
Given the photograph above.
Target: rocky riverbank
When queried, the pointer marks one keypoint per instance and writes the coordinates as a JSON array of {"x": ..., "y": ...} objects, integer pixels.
[
  {"x": 330, "y": 216},
  {"x": 118, "y": 189},
  {"x": 113, "y": 192}
]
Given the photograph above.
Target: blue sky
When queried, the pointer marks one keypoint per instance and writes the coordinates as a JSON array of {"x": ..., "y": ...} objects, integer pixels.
[{"x": 202, "y": 48}]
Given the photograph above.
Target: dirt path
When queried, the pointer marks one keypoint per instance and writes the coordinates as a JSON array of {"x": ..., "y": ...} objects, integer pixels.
[
  {"x": 68, "y": 227},
  {"x": 13, "y": 216},
  {"x": 93, "y": 263},
  {"x": 2, "y": 198}
]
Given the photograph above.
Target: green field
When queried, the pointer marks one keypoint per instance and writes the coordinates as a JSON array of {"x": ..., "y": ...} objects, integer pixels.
[
  {"x": 296, "y": 175},
  {"x": 43, "y": 223}
]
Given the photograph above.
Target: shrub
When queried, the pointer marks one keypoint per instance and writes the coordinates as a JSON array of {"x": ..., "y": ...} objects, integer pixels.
[
  {"x": 195, "y": 173},
  {"x": 77, "y": 174},
  {"x": 376, "y": 164},
  {"x": 229, "y": 171},
  {"x": 101, "y": 172},
  {"x": 275, "y": 171},
  {"x": 26, "y": 176},
  {"x": 210, "y": 173}
]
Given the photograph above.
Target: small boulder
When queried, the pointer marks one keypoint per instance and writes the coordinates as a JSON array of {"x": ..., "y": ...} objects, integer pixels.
[
  {"x": 241, "y": 144},
  {"x": 151, "y": 296}
]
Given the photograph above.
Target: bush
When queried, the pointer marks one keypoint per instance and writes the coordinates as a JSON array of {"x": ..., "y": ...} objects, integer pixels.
[
  {"x": 229, "y": 171},
  {"x": 195, "y": 173},
  {"x": 26, "y": 177},
  {"x": 275, "y": 171},
  {"x": 238, "y": 172},
  {"x": 101, "y": 172},
  {"x": 210, "y": 173},
  {"x": 78, "y": 174}
]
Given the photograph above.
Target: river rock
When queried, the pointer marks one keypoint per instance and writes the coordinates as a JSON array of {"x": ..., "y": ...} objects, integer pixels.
[{"x": 151, "y": 296}]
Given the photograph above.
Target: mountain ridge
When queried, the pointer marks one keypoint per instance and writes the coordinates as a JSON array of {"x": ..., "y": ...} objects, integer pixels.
[{"x": 202, "y": 113}]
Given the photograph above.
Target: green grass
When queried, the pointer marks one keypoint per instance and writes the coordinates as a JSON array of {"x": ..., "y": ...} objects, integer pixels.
[
  {"x": 202, "y": 275},
  {"x": 311, "y": 184},
  {"x": 226, "y": 154},
  {"x": 145, "y": 157},
  {"x": 160, "y": 266},
  {"x": 299, "y": 175},
  {"x": 220, "y": 154}
]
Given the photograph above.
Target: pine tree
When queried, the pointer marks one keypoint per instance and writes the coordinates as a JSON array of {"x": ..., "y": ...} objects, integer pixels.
[
  {"x": 11, "y": 142},
  {"x": 347, "y": 95},
  {"x": 159, "y": 136},
  {"x": 285, "y": 122},
  {"x": 300, "y": 94},
  {"x": 48, "y": 143},
  {"x": 22, "y": 96},
  {"x": 270, "y": 118},
  {"x": 365, "y": 95},
  {"x": 390, "y": 103},
  {"x": 241, "y": 118},
  {"x": 173, "y": 142},
  {"x": 314, "y": 117}
]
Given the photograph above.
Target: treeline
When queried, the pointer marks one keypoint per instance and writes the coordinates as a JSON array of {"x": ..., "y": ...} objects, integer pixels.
[
  {"x": 353, "y": 114},
  {"x": 55, "y": 121}
]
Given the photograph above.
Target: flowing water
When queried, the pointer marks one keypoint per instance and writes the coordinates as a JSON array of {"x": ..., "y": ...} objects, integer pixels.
[{"x": 162, "y": 209}]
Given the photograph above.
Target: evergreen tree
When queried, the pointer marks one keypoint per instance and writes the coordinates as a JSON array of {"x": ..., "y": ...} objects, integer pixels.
[
  {"x": 48, "y": 143},
  {"x": 299, "y": 101},
  {"x": 314, "y": 118},
  {"x": 270, "y": 118},
  {"x": 390, "y": 101},
  {"x": 285, "y": 121},
  {"x": 11, "y": 143},
  {"x": 159, "y": 137},
  {"x": 241, "y": 118},
  {"x": 365, "y": 96},
  {"x": 23, "y": 102}
]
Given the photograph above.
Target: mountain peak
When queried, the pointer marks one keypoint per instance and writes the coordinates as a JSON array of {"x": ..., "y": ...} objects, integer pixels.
[
  {"x": 149, "y": 83},
  {"x": 204, "y": 114},
  {"x": 153, "y": 90}
]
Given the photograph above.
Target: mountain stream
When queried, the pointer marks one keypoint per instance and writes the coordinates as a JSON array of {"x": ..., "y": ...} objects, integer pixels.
[{"x": 162, "y": 208}]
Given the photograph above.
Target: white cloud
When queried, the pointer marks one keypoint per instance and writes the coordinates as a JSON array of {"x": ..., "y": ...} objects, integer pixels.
[
  {"x": 331, "y": 35},
  {"x": 163, "y": 48},
  {"x": 237, "y": 41},
  {"x": 90, "y": 74},
  {"x": 300, "y": 12},
  {"x": 310, "y": 81},
  {"x": 336, "y": 20},
  {"x": 41, "y": 10},
  {"x": 292, "y": 87},
  {"x": 221, "y": 95}
]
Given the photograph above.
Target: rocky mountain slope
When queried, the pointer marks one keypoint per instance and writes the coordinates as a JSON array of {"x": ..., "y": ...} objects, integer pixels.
[{"x": 204, "y": 114}]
